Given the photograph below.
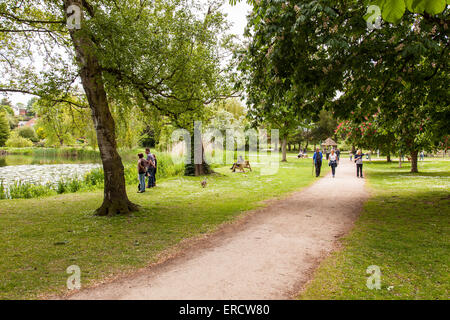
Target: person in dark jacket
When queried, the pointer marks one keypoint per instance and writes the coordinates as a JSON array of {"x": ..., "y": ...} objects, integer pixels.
[
  {"x": 317, "y": 160},
  {"x": 150, "y": 169}
]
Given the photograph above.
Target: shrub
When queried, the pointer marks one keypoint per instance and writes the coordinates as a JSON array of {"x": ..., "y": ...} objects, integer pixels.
[
  {"x": 74, "y": 185},
  {"x": 3, "y": 194},
  {"x": 61, "y": 187},
  {"x": 28, "y": 133},
  {"x": 13, "y": 122},
  {"x": 94, "y": 178},
  {"x": 20, "y": 190},
  {"x": 15, "y": 141},
  {"x": 4, "y": 129}
]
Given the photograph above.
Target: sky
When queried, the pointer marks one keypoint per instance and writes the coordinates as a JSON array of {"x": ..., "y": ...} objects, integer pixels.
[{"x": 236, "y": 15}]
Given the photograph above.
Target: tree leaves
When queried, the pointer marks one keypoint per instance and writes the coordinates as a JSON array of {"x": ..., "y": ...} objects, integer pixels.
[
  {"x": 435, "y": 6},
  {"x": 393, "y": 10}
]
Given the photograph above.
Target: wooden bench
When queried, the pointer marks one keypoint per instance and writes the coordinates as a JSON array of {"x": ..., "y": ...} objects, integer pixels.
[{"x": 242, "y": 166}]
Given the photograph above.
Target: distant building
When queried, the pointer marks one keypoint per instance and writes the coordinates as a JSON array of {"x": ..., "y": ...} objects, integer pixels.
[
  {"x": 31, "y": 122},
  {"x": 22, "y": 112}
]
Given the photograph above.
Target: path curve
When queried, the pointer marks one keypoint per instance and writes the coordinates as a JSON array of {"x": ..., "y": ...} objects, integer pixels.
[{"x": 271, "y": 255}]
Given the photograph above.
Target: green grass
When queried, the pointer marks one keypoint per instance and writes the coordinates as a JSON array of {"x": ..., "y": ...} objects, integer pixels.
[
  {"x": 42, "y": 237},
  {"x": 403, "y": 229}
]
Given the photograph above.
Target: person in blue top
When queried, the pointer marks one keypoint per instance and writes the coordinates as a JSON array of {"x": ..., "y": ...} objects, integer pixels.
[{"x": 317, "y": 160}]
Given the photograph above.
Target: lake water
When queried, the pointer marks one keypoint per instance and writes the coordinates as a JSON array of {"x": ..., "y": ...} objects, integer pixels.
[{"x": 43, "y": 170}]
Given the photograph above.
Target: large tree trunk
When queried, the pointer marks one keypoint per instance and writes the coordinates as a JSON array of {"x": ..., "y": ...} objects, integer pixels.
[
  {"x": 196, "y": 169},
  {"x": 283, "y": 150},
  {"x": 414, "y": 168},
  {"x": 115, "y": 199},
  {"x": 388, "y": 157}
]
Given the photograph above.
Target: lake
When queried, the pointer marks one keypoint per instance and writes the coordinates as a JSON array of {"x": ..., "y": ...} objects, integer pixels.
[{"x": 43, "y": 170}]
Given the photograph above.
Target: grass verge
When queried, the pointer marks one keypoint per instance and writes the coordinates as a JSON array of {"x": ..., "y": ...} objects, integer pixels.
[{"x": 403, "y": 229}]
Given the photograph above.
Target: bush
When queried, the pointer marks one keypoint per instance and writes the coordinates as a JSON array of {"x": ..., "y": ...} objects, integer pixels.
[
  {"x": 20, "y": 190},
  {"x": 3, "y": 194},
  {"x": 95, "y": 178},
  {"x": 4, "y": 128},
  {"x": 13, "y": 122},
  {"x": 28, "y": 133},
  {"x": 16, "y": 141}
]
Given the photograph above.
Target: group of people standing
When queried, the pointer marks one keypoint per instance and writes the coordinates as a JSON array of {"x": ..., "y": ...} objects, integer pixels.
[
  {"x": 147, "y": 167},
  {"x": 333, "y": 161}
]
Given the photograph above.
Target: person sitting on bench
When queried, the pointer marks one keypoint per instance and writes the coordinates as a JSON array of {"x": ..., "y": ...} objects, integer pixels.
[
  {"x": 241, "y": 164},
  {"x": 240, "y": 160}
]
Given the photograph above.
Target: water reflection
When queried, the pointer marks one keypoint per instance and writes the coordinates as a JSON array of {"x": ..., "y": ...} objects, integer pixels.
[{"x": 20, "y": 160}]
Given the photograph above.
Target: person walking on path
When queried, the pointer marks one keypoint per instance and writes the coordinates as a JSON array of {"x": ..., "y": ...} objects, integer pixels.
[
  {"x": 333, "y": 163},
  {"x": 142, "y": 170},
  {"x": 150, "y": 169},
  {"x": 422, "y": 156},
  {"x": 359, "y": 163},
  {"x": 351, "y": 155},
  {"x": 338, "y": 153},
  {"x": 317, "y": 160}
]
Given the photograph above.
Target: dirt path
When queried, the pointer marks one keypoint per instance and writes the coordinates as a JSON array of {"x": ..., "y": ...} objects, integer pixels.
[{"x": 270, "y": 255}]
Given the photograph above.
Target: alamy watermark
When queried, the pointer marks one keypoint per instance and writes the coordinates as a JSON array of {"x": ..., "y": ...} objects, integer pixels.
[
  {"x": 221, "y": 147},
  {"x": 74, "y": 280},
  {"x": 374, "y": 280},
  {"x": 73, "y": 17},
  {"x": 374, "y": 17}
]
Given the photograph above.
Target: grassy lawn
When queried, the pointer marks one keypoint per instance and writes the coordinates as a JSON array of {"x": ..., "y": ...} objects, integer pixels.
[
  {"x": 403, "y": 229},
  {"x": 42, "y": 237}
]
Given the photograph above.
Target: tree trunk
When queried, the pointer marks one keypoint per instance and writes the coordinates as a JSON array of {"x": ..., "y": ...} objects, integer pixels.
[
  {"x": 414, "y": 168},
  {"x": 289, "y": 146},
  {"x": 388, "y": 157},
  {"x": 283, "y": 150},
  {"x": 193, "y": 169},
  {"x": 115, "y": 199}
]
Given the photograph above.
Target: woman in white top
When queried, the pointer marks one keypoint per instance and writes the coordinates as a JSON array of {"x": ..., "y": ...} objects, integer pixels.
[
  {"x": 333, "y": 162},
  {"x": 359, "y": 163}
]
